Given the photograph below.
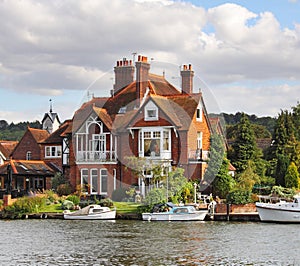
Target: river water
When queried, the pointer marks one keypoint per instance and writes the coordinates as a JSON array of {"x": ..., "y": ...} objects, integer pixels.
[{"x": 62, "y": 242}]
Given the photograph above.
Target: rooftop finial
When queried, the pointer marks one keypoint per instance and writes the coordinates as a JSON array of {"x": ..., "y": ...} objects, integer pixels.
[{"x": 50, "y": 105}]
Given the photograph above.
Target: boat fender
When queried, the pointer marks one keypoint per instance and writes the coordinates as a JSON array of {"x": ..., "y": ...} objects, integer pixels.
[{"x": 43, "y": 216}]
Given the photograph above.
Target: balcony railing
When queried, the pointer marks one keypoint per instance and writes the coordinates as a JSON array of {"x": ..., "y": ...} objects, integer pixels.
[
  {"x": 96, "y": 156},
  {"x": 198, "y": 155}
]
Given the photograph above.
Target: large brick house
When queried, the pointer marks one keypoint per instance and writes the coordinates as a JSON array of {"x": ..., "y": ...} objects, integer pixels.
[{"x": 146, "y": 117}]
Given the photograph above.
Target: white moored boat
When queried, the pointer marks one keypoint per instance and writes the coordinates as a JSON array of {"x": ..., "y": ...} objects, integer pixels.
[
  {"x": 177, "y": 213},
  {"x": 91, "y": 212},
  {"x": 285, "y": 212}
]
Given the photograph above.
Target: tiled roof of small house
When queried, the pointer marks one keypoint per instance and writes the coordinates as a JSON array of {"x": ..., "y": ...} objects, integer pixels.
[
  {"x": 38, "y": 134},
  {"x": 55, "y": 137},
  {"x": 27, "y": 168},
  {"x": 7, "y": 147}
]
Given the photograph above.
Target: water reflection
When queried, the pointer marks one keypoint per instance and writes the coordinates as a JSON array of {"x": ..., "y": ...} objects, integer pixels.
[{"x": 60, "y": 242}]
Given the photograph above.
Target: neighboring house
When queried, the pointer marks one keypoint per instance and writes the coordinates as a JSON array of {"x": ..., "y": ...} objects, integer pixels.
[
  {"x": 29, "y": 147},
  {"x": 146, "y": 117},
  {"x": 31, "y": 171}
]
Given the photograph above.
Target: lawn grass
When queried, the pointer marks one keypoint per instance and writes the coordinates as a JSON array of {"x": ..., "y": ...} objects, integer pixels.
[
  {"x": 127, "y": 207},
  {"x": 52, "y": 208},
  {"x": 122, "y": 207}
]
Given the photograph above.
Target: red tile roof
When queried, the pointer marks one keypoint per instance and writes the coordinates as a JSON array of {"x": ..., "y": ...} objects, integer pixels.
[
  {"x": 7, "y": 147},
  {"x": 38, "y": 134},
  {"x": 56, "y": 136},
  {"x": 27, "y": 168}
]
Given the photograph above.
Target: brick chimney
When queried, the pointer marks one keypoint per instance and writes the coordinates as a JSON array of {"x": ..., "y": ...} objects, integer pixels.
[
  {"x": 124, "y": 74},
  {"x": 187, "y": 75},
  {"x": 142, "y": 77}
]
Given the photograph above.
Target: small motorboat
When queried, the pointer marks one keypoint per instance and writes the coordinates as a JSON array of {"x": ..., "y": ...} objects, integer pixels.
[
  {"x": 176, "y": 213},
  {"x": 91, "y": 212},
  {"x": 282, "y": 211}
]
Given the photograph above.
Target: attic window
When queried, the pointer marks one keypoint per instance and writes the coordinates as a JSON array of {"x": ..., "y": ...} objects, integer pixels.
[
  {"x": 199, "y": 113},
  {"x": 151, "y": 112},
  {"x": 28, "y": 155}
]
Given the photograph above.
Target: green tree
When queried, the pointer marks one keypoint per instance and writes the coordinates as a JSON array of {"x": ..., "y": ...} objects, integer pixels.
[
  {"x": 244, "y": 147},
  {"x": 281, "y": 168},
  {"x": 223, "y": 182},
  {"x": 248, "y": 178},
  {"x": 296, "y": 119},
  {"x": 292, "y": 176},
  {"x": 217, "y": 151}
]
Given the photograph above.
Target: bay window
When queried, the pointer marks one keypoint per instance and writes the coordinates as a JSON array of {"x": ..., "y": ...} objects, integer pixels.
[{"x": 155, "y": 143}]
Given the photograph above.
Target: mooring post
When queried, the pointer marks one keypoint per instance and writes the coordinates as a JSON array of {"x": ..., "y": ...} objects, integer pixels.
[{"x": 227, "y": 211}]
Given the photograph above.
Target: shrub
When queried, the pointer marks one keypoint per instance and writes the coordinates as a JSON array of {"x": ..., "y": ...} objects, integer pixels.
[
  {"x": 239, "y": 197},
  {"x": 63, "y": 189},
  {"x": 24, "y": 205},
  {"x": 67, "y": 205},
  {"x": 74, "y": 198},
  {"x": 106, "y": 203},
  {"x": 51, "y": 196}
]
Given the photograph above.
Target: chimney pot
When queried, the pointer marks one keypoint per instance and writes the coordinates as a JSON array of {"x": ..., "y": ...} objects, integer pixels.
[
  {"x": 190, "y": 67},
  {"x": 139, "y": 58}
]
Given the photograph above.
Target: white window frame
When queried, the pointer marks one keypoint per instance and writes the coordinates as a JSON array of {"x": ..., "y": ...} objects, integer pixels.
[
  {"x": 199, "y": 111},
  {"x": 199, "y": 140},
  {"x": 82, "y": 176},
  {"x": 103, "y": 192},
  {"x": 94, "y": 177},
  {"x": 53, "y": 151},
  {"x": 28, "y": 155},
  {"x": 164, "y": 134}
]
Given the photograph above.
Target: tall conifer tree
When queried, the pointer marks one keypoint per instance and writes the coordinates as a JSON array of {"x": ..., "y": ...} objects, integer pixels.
[{"x": 244, "y": 147}]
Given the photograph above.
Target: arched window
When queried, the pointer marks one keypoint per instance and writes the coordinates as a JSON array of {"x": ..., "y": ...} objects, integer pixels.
[{"x": 28, "y": 155}]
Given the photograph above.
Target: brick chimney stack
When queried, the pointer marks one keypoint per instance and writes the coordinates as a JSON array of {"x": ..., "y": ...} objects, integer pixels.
[
  {"x": 187, "y": 75},
  {"x": 142, "y": 77},
  {"x": 124, "y": 74}
]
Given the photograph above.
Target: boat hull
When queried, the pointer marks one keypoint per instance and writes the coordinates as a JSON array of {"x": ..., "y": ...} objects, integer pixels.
[
  {"x": 278, "y": 213},
  {"x": 111, "y": 215},
  {"x": 161, "y": 216}
]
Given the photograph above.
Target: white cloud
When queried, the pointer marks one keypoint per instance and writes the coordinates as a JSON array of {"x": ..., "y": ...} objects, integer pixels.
[{"x": 49, "y": 47}]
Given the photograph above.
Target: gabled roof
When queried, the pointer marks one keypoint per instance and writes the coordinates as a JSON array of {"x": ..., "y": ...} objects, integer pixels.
[
  {"x": 86, "y": 111},
  {"x": 38, "y": 134},
  {"x": 160, "y": 86},
  {"x": 27, "y": 168},
  {"x": 52, "y": 116},
  {"x": 178, "y": 107},
  {"x": 56, "y": 136},
  {"x": 180, "y": 110},
  {"x": 127, "y": 96},
  {"x": 104, "y": 117},
  {"x": 7, "y": 147}
]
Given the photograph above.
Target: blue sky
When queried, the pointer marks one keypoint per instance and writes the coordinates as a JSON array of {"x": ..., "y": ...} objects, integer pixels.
[{"x": 245, "y": 54}]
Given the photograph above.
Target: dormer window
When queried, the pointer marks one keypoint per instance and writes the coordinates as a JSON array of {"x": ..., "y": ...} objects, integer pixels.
[{"x": 151, "y": 112}]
